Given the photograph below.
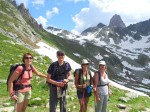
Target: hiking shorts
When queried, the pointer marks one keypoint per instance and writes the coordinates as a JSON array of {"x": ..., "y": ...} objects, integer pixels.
[
  {"x": 23, "y": 96},
  {"x": 81, "y": 95}
]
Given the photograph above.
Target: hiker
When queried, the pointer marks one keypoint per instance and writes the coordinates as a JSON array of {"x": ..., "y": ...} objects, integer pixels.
[
  {"x": 83, "y": 79},
  {"x": 22, "y": 92},
  {"x": 58, "y": 77},
  {"x": 102, "y": 87}
]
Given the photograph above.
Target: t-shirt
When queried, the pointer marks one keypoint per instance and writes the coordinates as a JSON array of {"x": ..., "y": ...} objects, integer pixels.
[
  {"x": 25, "y": 80},
  {"x": 59, "y": 72},
  {"x": 83, "y": 78},
  {"x": 103, "y": 90}
]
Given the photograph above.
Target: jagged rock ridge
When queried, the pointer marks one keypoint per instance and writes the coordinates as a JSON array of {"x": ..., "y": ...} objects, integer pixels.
[
  {"x": 26, "y": 15},
  {"x": 116, "y": 21}
]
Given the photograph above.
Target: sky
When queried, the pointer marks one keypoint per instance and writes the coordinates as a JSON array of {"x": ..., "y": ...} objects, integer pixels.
[{"x": 77, "y": 15}]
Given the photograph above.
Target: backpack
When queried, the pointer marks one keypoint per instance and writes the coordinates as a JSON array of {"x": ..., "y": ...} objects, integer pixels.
[
  {"x": 80, "y": 72},
  {"x": 12, "y": 69},
  {"x": 55, "y": 68},
  {"x": 65, "y": 66}
]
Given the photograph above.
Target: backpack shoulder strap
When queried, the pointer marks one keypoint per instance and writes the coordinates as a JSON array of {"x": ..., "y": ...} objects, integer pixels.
[
  {"x": 79, "y": 77},
  {"x": 55, "y": 65},
  {"x": 89, "y": 72},
  {"x": 23, "y": 70},
  {"x": 99, "y": 77}
]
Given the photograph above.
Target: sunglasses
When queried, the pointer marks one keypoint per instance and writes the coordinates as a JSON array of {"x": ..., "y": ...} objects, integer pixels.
[
  {"x": 85, "y": 64},
  {"x": 61, "y": 54},
  {"x": 28, "y": 58},
  {"x": 102, "y": 65}
]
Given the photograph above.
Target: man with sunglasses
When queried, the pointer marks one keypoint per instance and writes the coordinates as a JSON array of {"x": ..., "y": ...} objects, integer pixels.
[{"x": 58, "y": 77}]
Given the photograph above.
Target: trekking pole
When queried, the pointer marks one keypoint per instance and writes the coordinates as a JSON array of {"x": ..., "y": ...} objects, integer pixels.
[{"x": 15, "y": 103}]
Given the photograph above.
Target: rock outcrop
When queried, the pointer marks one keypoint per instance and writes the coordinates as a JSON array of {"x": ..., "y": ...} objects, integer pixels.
[
  {"x": 116, "y": 21},
  {"x": 27, "y": 16}
]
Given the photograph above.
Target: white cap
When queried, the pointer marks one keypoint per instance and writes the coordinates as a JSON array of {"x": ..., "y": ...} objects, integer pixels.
[
  {"x": 84, "y": 61},
  {"x": 102, "y": 63}
]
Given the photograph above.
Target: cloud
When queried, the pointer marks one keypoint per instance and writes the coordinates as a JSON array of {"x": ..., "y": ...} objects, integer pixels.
[
  {"x": 22, "y": 1},
  {"x": 42, "y": 20},
  {"x": 131, "y": 11},
  {"x": 75, "y": 1},
  {"x": 38, "y": 2},
  {"x": 50, "y": 14}
]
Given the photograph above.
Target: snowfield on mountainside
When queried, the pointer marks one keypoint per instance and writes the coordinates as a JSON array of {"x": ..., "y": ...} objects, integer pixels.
[{"x": 46, "y": 50}]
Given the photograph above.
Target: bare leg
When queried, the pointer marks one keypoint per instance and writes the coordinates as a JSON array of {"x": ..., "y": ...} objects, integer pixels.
[
  {"x": 82, "y": 105},
  {"x": 25, "y": 104},
  {"x": 86, "y": 100},
  {"x": 22, "y": 106}
]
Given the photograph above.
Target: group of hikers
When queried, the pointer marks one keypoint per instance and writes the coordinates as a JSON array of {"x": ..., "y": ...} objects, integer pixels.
[{"x": 58, "y": 76}]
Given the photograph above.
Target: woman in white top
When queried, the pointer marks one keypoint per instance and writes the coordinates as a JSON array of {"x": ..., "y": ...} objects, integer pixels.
[{"x": 101, "y": 83}]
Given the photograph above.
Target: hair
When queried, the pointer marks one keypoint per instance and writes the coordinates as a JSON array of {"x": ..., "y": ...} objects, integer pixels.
[
  {"x": 104, "y": 65},
  {"x": 25, "y": 55}
]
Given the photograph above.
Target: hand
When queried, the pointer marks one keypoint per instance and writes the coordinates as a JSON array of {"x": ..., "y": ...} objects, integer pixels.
[
  {"x": 84, "y": 85},
  {"x": 97, "y": 99},
  {"x": 61, "y": 84},
  {"x": 94, "y": 89},
  {"x": 14, "y": 97},
  {"x": 65, "y": 81},
  {"x": 109, "y": 93}
]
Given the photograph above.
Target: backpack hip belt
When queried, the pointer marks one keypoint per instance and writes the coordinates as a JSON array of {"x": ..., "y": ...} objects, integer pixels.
[
  {"x": 102, "y": 85},
  {"x": 21, "y": 86}
]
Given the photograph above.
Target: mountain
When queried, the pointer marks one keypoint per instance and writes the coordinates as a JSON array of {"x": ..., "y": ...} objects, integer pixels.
[
  {"x": 125, "y": 49},
  {"x": 116, "y": 21},
  {"x": 61, "y": 33},
  {"x": 13, "y": 25},
  {"x": 27, "y": 16}
]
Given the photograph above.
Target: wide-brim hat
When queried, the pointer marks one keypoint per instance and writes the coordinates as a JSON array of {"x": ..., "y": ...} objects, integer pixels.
[
  {"x": 84, "y": 61},
  {"x": 102, "y": 63}
]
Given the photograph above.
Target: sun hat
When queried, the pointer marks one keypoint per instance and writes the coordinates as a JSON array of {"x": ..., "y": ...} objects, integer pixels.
[
  {"x": 102, "y": 63},
  {"x": 84, "y": 61}
]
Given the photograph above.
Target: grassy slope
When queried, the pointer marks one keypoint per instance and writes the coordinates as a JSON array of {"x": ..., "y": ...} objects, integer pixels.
[{"x": 10, "y": 54}]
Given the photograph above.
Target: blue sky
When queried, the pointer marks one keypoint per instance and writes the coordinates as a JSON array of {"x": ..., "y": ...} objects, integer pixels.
[{"x": 77, "y": 15}]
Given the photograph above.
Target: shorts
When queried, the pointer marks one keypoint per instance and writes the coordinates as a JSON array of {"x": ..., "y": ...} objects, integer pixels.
[
  {"x": 81, "y": 95},
  {"x": 23, "y": 96}
]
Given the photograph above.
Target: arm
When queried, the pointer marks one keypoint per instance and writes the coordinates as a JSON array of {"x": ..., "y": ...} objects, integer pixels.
[
  {"x": 109, "y": 92},
  {"x": 68, "y": 78},
  {"x": 14, "y": 76},
  {"x": 39, "y": 73},
  {"x": 61, "y": 84},
  {"x": 95, "y": 86},
  {"x": 76, "y": 81}
]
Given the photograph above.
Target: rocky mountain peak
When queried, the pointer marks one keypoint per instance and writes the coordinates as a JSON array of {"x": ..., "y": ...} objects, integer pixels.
[
  {"x": 100, "y": 25},
  {"x": 116, "y": 21},
  {"x": 26, "y": 15},
  {"x": 13, "y": 2}
]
